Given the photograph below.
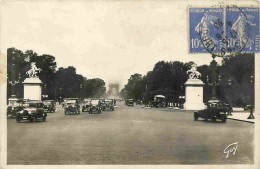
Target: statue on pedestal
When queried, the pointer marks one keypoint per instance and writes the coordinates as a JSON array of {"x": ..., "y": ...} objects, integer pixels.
[
  {"x": 194, "y": 90},
  {"x": 32, "y": 84},
  {"x": 32, "y": 73},
  {"x": 193, "y": 73}
]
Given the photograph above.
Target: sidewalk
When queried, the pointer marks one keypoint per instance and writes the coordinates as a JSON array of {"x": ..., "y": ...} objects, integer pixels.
[
  {"x": 237, "y": 114},
  {"x": 242, "y": 116}
]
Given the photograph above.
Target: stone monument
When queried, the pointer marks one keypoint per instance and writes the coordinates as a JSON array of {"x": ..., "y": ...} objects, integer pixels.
[
  {"x": 194, "y": 90},
  {"x": 32, "y": 84}
]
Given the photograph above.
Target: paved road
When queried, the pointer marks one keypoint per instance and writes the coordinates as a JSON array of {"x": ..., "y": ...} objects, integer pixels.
[{"x": 128, "y": 135}]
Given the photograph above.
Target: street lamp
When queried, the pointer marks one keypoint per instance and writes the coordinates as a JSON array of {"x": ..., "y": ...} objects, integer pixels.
[
  {"x": 214, "y": 80},
  {"x": 251, "y": 116},
  {"x": 60, "y": 94},
  {"x": 80, "y": 91},
  {"x": 13, "y": 80},
  {"x": 230, "y": 109}
]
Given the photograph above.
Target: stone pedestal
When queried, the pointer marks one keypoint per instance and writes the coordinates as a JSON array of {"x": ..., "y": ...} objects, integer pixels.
[
  {"x": 32, "y": 88},
  {"x": 194, "y": 95}
]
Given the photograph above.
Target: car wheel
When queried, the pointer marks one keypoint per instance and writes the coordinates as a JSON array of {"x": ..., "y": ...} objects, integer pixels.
[
  {"x": 223, "y": 119},
  {"x": 18, "y": 119},
  {"x": 43, "y": 118},
  {"x": 196, "y": 117},
  {"x": 213, "y": 119},
  {"x": 32, "y": 119}
]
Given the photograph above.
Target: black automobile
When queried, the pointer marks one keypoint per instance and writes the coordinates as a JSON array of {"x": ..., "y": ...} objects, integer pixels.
[
  {"x": 103, "y": 104},
  {"x": 86, "y": 105},
  {"x": 72, "y": 106},
  {"x": 14, "y": 106},
  {"x": 214, "y": 111},
  {"x": 49, "y": 106},
  {"x": 110, "y": 104},
  {"x": 95, "y": 106},
  {"x": 129, "y": 102},
  {"x": 32, "y": 111}
]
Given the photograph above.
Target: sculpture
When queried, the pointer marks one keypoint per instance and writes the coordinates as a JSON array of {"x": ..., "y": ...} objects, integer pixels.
[
  {"x": 32, "y": 73},
  {"x": 193, "y": 73}
]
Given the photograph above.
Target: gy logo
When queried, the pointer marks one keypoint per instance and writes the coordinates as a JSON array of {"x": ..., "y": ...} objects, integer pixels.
[{"x": 232, "y": 148}]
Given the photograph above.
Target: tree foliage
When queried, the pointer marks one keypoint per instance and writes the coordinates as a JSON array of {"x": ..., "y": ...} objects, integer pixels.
[
  {"x": 168, "y": 78},
  {"x": 61, "y": 82}
]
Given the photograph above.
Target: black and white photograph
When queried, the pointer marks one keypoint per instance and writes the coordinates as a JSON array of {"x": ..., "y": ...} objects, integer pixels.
[{"x": 129, "y": 84}]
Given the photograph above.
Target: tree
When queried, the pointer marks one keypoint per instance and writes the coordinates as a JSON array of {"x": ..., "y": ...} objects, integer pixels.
[{"x": 238, "y": 69}]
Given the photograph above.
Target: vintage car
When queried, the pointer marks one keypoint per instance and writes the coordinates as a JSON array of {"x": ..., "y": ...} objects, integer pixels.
[
  {"x": 103, "y": 104},
  {"x": 49, "y": 105},
  {"x": 32, "y": 111},
  {"x": 129, "y": 102},
  {"x": 138, "y": 101},
  {"x": 159, "y": 101},
  {"x": 110, "y": 104},
  {"x": 14, "y": 106},
  {"x": 95, "y": 106},
  {"x": 72, "y": 106},
  {"x": 214, "y": 111},
  {"x": 86, "y": 105}
]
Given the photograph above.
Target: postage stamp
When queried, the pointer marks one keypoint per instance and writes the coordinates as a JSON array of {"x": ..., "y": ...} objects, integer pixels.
[
  {"x": 224, "y": 31},
  {"x": 242, "y": 29},
  {"x": 205, "y": 23}
]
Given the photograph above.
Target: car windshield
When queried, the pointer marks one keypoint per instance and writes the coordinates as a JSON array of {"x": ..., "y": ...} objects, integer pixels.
[{"x": 95, "y": 102}]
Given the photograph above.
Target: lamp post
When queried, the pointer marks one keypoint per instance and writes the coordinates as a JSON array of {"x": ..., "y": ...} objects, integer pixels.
[
  {"x": 230, "y": 109},
  {"x": 80, "y": 91},
  {"x": 60, "y": 94},
  {"x": 13, "y": 80},
  {"x": 214, "y": 80},
  {"x": 251, "y": 116}
]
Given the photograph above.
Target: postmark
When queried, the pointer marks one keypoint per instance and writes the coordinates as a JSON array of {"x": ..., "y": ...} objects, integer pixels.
[
  {"x": 242, "y": 29},
  {"x": 224, "y": 31},
  {"x": 202, "y": 31}
]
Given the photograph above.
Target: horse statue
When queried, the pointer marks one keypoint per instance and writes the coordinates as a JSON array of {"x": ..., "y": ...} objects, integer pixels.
[
  {"x": 193, "y": 73},
  {"x": 32, "y": 73}
]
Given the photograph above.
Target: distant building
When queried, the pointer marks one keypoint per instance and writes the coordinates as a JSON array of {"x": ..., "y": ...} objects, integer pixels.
[{"x": 113, "y": 91}]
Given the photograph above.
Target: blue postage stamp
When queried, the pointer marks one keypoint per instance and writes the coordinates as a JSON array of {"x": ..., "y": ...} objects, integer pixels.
[
  {"x": 204, "y": 25},
  {"x": 242, "y": 29}
]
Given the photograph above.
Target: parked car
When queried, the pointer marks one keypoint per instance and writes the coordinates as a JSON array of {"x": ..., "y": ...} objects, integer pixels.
[
  {"x": 110, "y": 104},
  {"x": 49, "y": 106},
  {"x": 138, "y": 101},
  {"x": 14, "y": 106},
  {"x": 72, "y": 106},
  {"x": 32, "y": 111},
  {"x": 95, "y": 106},
  {"x": 129, "y": 102},
  {"x": 86, "y": 105},
  {"x": 214, "y": 111}
]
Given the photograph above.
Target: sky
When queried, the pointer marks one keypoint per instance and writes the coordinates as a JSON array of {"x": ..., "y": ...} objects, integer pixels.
[{"x": 101, "y": 39}]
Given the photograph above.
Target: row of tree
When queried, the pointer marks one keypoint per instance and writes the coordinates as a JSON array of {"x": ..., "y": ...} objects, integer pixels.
[
  {"x": 57, "y": 82},
  {"x": 168, "y": 78}
]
